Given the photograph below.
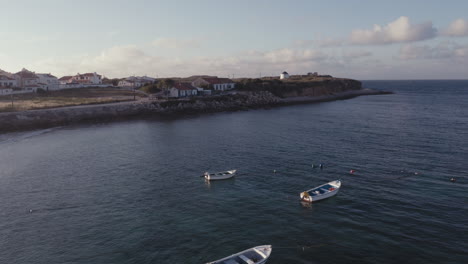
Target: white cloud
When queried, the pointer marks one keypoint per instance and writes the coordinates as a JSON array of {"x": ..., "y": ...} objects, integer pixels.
[
  {"x": 175, "y": 43},
  {"x": 121, "y": 61},
  {"x": 458, "y": 28},
  {"x": 321, "y": 42},
  {"x": 287, "y": 56},
  {"x": 400, "y": 30},
  {"x": 441, "y": 51},
  {"x": 356, "y": 54}
]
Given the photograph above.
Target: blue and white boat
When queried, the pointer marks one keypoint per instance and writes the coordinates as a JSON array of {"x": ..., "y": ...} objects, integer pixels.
[
  {"x": 255, "y": 255},
  {"x": 321, "y": 192}
]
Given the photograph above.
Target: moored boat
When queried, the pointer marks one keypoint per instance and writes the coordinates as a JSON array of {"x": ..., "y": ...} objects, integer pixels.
[
  {"x": 321, "y": 192},
  {"x": 220, "y": 175},
  {"x": 255, "y": 255}
]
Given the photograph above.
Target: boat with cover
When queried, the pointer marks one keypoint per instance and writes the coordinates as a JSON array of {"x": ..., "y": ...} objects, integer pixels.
[
  {"x": 255, "y": 255},
  {"x": 321, "y": 192},
  {"x": 220, "y": 175}
]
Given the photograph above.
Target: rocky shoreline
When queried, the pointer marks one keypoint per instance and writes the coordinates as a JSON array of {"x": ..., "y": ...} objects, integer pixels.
[{"x": 46, "y": 118}]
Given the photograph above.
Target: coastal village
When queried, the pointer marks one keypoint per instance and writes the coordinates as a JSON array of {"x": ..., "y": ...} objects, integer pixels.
[
  {"x": 55, "y": 100},
  {"x": 26, "y": 81}
]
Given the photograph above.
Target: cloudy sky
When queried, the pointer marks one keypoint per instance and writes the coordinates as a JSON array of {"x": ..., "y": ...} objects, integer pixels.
[{"x": 365, "y": 39}]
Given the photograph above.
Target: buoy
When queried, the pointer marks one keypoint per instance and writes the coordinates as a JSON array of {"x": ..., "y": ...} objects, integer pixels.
[
  {"x": 452, "y": 179},
  {"x": 274, "y": 171},
  {"x": 321, "y": 166},
  {"x": 352, "y": 171},
  {"x": 416, "y": 173},
  {"x": 30, "y": 210}
]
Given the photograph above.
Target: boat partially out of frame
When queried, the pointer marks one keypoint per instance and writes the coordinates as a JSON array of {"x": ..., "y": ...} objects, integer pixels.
[{"x": 255, "y": 255}]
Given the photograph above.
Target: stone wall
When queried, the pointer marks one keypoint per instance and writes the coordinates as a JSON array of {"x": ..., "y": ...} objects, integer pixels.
[{"x": 12, "y": 121}]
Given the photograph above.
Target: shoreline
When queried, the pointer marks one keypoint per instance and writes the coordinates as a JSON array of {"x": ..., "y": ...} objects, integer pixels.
[{"x": 62, "y": 116}]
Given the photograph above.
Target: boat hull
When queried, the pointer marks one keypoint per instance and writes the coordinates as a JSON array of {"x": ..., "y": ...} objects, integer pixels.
[
  {"x": 255, "y": 255},
  {"x": 220, "y": 175},
  {"x": 311, "y": 199},
  {"x": 321, "y": 192}
]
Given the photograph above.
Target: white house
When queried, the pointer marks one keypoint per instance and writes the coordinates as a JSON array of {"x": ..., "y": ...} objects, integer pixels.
[
  {"x": 87, "y": 79},
  {"x": 127, "y": 84},
  {"x": 6, "y": 81},
  {"x": 66, "y": 79},
  {"x": 182, "y": 90},
  {"x": 284, "y": 75},
  {"x": 48, "y": 82},
  {"x": 136, "y": 82},
  {"x": 5, "y": 90},
  {"x": 217, "y": 84}
]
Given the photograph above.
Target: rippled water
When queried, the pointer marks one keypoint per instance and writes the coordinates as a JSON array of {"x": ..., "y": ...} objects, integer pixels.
[{"x": 131, "y": 192}]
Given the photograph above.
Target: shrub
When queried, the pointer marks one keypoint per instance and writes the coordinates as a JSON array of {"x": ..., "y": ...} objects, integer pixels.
[{"x": 150, "y": 88}]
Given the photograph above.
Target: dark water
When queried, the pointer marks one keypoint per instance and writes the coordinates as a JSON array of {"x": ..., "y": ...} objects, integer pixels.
[{"x": 130, "y": 192}]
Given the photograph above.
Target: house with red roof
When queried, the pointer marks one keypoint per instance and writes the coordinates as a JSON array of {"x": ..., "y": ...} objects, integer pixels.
[
  {"x": 181, "y": 89},
  {"x": 214, "y": 83},
  {"x": 27, "y": 79},
  {"x": 87, "y": 79},
  {"x": 65, "y": 79}
]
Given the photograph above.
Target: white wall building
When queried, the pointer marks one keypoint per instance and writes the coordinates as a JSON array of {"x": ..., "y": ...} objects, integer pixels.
[
  {"x": 182, "y": 90},
  {"x": 5, "y": 91},
  {"x": 128, "y": 84},
  {"x": 284, "y": 75},
  {"x": 66, "y": 79},
  {"x": 6, "y": 81},
  {"x": 48, "y": 82},
  {"x": 136, "y": 82},
  {"x": 87, "y": 78},
  {"x": 218, "y": 84}
]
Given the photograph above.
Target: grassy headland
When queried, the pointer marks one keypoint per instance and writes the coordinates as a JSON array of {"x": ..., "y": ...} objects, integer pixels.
[{"x": 299, "y": 85}]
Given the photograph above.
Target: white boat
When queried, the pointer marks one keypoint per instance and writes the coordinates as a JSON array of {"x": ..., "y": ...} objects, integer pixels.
[
  {"x": 220, "y": 175},
  {"x": 255, "y": 255},
  {"x": 321, "y": 192}
]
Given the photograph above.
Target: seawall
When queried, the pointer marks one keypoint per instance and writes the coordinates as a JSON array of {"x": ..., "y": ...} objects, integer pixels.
[{"x": 33, "y": 119}]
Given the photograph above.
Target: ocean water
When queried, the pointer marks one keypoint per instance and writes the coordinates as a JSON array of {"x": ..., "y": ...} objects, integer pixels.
[{"x": 131, "y": 192}]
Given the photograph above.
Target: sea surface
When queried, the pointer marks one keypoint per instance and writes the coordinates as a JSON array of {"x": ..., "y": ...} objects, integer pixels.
[{"x": 131, "y": 192}]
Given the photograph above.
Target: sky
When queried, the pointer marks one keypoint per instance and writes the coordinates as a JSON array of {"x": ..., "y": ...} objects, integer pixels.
[{"x": 365, "y": 39}]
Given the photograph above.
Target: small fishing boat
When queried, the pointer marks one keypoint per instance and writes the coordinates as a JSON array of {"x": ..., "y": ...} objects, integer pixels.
[
  {"x": 220, "y": 175},
  {"x": 255, "y": 255},
  {"x": 321, "y": 192}
]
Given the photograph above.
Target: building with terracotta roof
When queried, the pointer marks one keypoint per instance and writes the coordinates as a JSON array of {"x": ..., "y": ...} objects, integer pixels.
[
  {"x": 65, "y": 79},
  {"x": 26, "y": 78},
  {"x": 181, "y": 89},
  {"x": 215, "y": 83},
  {"x": 87, "y": 79}
]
